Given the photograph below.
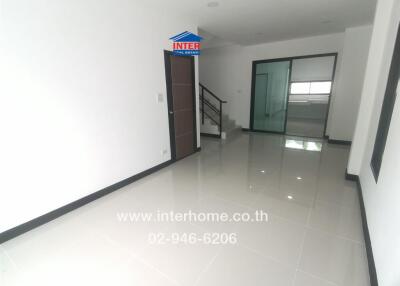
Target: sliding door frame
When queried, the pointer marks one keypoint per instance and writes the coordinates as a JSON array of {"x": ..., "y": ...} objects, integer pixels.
[{"x": 290, "y": 60}]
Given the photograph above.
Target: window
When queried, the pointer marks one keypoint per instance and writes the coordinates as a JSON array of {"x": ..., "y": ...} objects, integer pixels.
[
  {"x": 300, "y": 88},
  {"x": 311, "y": 87},
  {"x": 387, "y": 110},
  {"x": 320, "y": 87}
]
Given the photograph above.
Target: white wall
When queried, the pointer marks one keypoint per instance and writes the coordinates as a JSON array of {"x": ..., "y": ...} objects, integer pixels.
[
  {"x": 227, "y": 72},
  {"x": 372, "y": 82},
  {"x": 381, "y": 199},
  {"x": 349, "y": 82},
  {"x": 79, "y": 110}
]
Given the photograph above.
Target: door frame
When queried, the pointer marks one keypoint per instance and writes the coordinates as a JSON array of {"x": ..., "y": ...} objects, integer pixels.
[
  {"x": 290, "y": 59},
  {"x": 168, "y": 79}
]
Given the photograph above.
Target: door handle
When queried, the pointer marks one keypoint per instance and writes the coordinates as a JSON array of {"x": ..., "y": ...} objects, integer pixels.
[{"x": 171, "y": 112}]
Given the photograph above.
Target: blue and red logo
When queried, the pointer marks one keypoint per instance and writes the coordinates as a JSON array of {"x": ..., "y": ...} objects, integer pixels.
[{"x": 186, "y": 44}]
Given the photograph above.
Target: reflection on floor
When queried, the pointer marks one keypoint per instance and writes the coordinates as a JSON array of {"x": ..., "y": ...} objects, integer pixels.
[
  {"x": 303, "y": 144},
  {"x": 305, "y": 127},
  {"x": 313, "y": 235},
  {"x": 295, "y": 126},
  {"x": 274, "y": 122}
]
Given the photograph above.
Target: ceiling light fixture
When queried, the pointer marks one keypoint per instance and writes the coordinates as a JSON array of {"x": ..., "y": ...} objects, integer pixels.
[
  {"x": 290, "y": 197},
  {"x": 212, "y": 4}
]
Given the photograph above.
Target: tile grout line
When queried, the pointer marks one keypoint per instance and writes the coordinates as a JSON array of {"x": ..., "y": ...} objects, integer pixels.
[
  {"x": 307, "y": 227},
  {"x": 208, "y": 265},
  {"x": 325, "y": 232},
  {"x": 244, "y": 246},
  {"x": 302, "y": 247},
  {"x": 141, "y": 260},
  {"x": 318, "y": 277},
  {"x": 135, "y": 256},
  {"x": 7, "y": 255}
]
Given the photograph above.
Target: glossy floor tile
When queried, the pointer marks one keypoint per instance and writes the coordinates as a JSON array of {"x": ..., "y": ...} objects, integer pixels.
[
  {"x": 312, "y": 236},
  {"x": 335, "y": 259},
  {"x": 305, "y": 127},
  {"x": 240, "y": 266}
]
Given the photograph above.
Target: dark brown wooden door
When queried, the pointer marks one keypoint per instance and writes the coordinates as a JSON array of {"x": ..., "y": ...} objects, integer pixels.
[{"x": 181, "y": 104}]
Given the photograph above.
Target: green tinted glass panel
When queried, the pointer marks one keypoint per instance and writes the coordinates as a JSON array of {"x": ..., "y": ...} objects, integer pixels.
[{"x": 270, "y": 96}]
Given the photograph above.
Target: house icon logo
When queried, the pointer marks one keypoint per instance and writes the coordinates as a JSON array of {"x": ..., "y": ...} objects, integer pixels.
[{"x": 186, "y": 44}]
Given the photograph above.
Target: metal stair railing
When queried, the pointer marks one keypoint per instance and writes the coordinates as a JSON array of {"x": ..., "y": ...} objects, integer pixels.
[{"x": 206, "y": 97}]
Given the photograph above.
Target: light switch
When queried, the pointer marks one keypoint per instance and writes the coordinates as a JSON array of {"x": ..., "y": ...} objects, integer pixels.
[{"x": 160, "y": 97}]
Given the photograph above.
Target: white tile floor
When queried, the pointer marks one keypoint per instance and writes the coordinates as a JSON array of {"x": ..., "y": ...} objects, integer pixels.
[
  {"x": 313, "y": 236},
  {"x": 305, "y": 127}
]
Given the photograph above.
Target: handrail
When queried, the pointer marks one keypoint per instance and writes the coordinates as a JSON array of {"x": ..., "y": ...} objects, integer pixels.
[
  {"x": 211, "y": 106},
  {"x": 210, "y": 117},
  {"x": 205, "y": 101},
  {"x": 210, "y": 92}
]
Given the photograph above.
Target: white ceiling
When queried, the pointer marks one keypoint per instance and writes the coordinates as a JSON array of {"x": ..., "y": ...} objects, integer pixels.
[
  {"x": 249, "y": 22},
  {"x": 211, "y": 40}
]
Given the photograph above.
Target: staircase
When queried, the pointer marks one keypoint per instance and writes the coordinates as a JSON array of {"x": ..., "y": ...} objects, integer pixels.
[{"x": 213, "y": 121}]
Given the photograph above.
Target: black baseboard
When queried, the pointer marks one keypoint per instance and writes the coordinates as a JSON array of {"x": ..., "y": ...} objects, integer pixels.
[
  {"x": 210, "y": 135},
  {"x": 370, "y": 256},
  {"x": 351, "y": 177},
  {"x": 20, "y": 229},
  {"x": 340, "y": 142},
  {"x": 262, "y": 131},
  {"x": 331, "y": 141}
]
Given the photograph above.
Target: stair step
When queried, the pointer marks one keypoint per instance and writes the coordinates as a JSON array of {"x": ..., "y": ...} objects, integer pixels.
[
  {"x": 229, "y": 126},
  {"x": 230, "y": 133}
]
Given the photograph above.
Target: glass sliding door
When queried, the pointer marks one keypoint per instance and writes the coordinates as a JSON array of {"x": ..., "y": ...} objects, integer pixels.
[
  {"x": 271, "y": 82},
  {"x": 309, "y": 94}
]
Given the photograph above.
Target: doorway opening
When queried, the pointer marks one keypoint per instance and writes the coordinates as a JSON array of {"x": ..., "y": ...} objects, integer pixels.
[{"x": 292, "y": 95}]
